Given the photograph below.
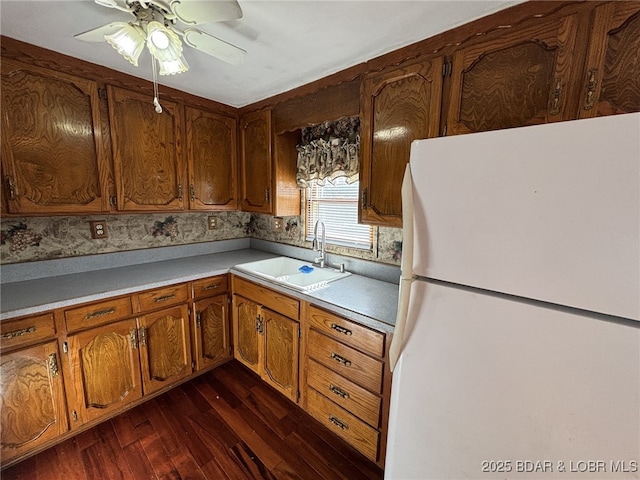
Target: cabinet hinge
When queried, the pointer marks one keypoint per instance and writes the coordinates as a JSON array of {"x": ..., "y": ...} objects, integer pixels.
[
  {"x": 446, "y": 69},
  {"x": 193, "y": 365},
  {"x": 102, "y": 93},
  {"x": 133, "y": 335},
  {"x": 297, "y": 396},
  {"x": 113, "y": 200},
  {"x": 65, "y": 347},
  {"x": 363, "y": 199},
  {"x": 74, "y": 414},
  {"x": 299, "y": 333},
  {"x": 444, "y": 131}
]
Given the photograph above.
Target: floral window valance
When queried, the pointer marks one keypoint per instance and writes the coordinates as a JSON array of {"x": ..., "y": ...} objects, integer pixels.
[{"x": 328, "y": 151}]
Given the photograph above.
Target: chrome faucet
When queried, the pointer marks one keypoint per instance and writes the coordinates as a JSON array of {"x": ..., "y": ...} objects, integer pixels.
[{"x": 321, "y": 259}]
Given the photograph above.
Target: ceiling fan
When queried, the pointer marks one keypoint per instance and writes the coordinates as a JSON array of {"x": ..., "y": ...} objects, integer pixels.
[{"x": 155, "y": 25}]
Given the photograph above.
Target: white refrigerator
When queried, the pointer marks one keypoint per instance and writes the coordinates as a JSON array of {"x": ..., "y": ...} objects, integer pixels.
[{"x": 518, "y": 333}]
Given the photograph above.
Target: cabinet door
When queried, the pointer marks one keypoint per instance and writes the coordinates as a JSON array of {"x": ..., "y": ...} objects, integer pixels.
[
  {"x": 105, "y": 368},
  {"x": 32, "y": 407},
  {"x": 165, "y": 348},
  {"x": 281, "y": 344},
  {"x": 399, "y": 105},
  {"x": 612, "y": 81},
  {"x": 52, "y": 155},
  {"x": 246, "y": 339},
  {"x": 212, "y": 160},
  {"x": 211, "y": 332},
  {"x": 518, "y": 77},
  {"x": 147, "y": 152},
  {"x": 256, "y": 148}
]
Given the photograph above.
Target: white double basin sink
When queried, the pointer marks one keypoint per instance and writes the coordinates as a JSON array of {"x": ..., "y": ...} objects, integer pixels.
[{"x": 293, "y": 273}]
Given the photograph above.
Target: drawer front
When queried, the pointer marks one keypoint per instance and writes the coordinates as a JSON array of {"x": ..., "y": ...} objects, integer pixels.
[
  {"x": 348, "y": 332},
  {"x": 25, "y": 331},
  {"x": 351, "y": 364},
  {"x": 278, "y": 302},
  {"x": 362, "y": 403},
  {"x": 98, "y": 313},
  {"x": 163, "y": 297},
  {"x": 341, "y": 422},
  {"x": 208, "y": 287}
]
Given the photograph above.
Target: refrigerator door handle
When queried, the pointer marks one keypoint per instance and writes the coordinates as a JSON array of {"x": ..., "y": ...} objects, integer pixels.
[{"x": 406, "y": 267}]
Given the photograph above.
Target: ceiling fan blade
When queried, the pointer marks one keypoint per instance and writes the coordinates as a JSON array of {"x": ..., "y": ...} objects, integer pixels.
[
  {"x": 214, "y": 46},
  {"x": 118, "y": 4},
  {"x": 97, "y": 34},
  {"x": 194, "y": 12}
]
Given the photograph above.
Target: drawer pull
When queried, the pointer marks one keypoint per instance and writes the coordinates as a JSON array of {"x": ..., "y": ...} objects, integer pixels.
[
  {"x": 100, "y": 313},
  {"x": 19, "y": 333},
  {"x": 164, "y": 298},
  {"x": 338, "y": 423},
  {"x": 340, "y": 329},
  {"x": 338, "y": 391},
  {"x": 339, "y": 359},
  {"x": 211, "y": 287}
]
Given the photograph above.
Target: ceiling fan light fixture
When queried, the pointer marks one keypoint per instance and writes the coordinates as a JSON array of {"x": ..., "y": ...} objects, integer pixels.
[
  {"x": 171, "y": 67},
  {"x": 163, "y": 43},
  {"x": 128, "y": 41}
]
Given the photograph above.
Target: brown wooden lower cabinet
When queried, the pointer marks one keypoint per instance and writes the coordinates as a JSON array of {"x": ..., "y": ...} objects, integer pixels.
[
  {"x": 104, "y": 365},
  {"x": 266, "y": 341},
  {"x": 33, "y": 409},
  {"x": 211, "y": 342}
]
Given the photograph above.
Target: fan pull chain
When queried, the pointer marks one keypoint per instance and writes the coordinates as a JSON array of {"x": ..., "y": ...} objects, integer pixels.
[{"x": 156, "y": 102}]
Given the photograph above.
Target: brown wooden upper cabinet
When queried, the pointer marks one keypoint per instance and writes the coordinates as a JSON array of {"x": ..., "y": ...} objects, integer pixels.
[
  {"x": 212, "y": 160},
  {"x": 147, "y": 152},
  {"x": 611, "y": 84},
  {"x": 53, "y": 160},
  {"x": 399, "y": 105},
  {"x": 516, "y": 77},
  {"x": 256, "y": 151}
]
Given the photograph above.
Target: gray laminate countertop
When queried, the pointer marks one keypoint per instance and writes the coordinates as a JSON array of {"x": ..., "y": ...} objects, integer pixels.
[{"x": 363, "y": 299}]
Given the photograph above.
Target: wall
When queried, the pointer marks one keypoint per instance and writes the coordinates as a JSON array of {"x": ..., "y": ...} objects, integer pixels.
[{"x": 26, "y": 239}]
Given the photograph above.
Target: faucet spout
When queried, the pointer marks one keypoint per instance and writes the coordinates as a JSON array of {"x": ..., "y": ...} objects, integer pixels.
[{"x": 321, "y": 259}]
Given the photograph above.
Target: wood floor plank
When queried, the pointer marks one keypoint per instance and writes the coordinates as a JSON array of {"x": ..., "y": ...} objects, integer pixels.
[
  {"x": 125, "y": 429},
  {"x": 251, "y": 463},
  {"x": 261, "y": 447},
  {"x": 138, "y": 461},
  {"x": 69, "y": 460},
  {"x": 155, "y": 452}
]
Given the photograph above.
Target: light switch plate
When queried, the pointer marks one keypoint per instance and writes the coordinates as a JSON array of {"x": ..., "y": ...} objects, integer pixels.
[{"x": 99, "y": 229}]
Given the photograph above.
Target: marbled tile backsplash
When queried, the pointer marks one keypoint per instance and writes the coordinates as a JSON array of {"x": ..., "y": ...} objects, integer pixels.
[{"x": 46, "y": 238}]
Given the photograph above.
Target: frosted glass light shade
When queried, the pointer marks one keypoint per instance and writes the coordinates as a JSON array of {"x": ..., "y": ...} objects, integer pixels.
[
  {"x": 159, "y": 36},
  {"x": 128, "y": 41},
  {"x": 171, "y": 67}
]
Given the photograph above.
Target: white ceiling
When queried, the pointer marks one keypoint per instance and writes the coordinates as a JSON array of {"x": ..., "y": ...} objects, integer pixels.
[{"x": 289, "y": 43}]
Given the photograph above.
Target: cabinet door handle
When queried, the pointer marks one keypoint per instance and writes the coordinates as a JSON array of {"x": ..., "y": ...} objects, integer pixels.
[
  {"x": 19, "y": 333},
  {"x": 338, "y": 391},
  {"x": 100, "y": 313},
  {"x": 164, "y": 298},
  {"x": 592, "y": 84},
  {"x": 142, "y": 335},
  {"x": 192, "y": 192},
  {"x": 180, "y": 191},
  {"x": 340, "y": 359},
  {"x": 555, "y": 97},
  {"x": 259, "y": 325},
  {"x": 341, "y": 329},
  {"x": 338, "y": 423},
  {"x": 198, "y": 319},
  {"x": 53, "y": 364},
  {"x": 267, "y": 195},
  {"x": 363, "y": 199},
  {"x": 11, "y": 187},
  {"x": 133, "y": 335}
]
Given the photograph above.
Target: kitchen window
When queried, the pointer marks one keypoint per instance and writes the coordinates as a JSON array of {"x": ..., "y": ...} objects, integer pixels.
[{"x": 336, "y": 204}]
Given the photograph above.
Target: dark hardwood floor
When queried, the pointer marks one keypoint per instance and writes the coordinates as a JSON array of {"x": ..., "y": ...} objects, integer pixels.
[{"x": 225, "y": 424}]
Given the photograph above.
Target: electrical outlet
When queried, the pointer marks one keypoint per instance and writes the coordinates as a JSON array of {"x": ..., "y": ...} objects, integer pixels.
[
  {"x": 99, "y": 229},
  {"x": 212, "y": 222},
  {"x": 278, "y": 224}
]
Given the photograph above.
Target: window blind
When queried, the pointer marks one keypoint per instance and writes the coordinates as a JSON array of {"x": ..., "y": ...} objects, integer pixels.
[{"x": 337, "y": 206}]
